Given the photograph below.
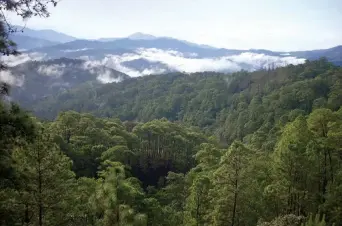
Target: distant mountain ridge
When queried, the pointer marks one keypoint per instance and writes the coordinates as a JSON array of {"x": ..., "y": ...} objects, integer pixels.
[
  {"x": 142, "y": 54},
  {"x": 141, "y": 36},
  {"x": 46, "y": 34},
  {"x": 27, "y": 42}
]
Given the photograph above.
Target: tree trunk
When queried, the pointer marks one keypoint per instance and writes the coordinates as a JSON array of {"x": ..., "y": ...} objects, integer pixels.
[
  {"x": 197, "y": 210},
  {"x": 235, "y": 199},
  {"x": 325, "y": 182},
  {"x": 331, "y": 167},
  {"x": 40, "y": 204}
]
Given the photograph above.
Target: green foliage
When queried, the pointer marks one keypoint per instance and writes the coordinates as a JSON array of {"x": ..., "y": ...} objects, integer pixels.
[
  {"x": 115, "y": 196},
  {"x": 274, "y": 160},
  {"x": 316, "y": 221},
  {"x": 286, "y": 220}
]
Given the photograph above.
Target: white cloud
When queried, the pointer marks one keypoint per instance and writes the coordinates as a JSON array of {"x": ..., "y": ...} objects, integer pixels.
[
  {"x": 170, "y": 60},
  {"x": 149, "y": 71},
  {"x": 22, "y": 58},
  {"x": 177, "y": 62},
  {"x": 54, "y": 70},
  {"x": 261, "y": 60},
  {"x": 114, "y": 62},
  {"x": 106, "y": 77},
  {"x": 8, "y": 77}
]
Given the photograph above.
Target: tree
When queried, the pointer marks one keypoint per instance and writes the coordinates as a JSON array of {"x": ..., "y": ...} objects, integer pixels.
[
  {"x": 292, "y": 166},
  {"x": 323, "y": 124},
  {"x": 315, "y": 221},
  {"x": 173, "y": 198},
  {"x": 45, "y": 182},
  {"x": 197, "y": 203},
  {"x": 285, "y": 220},
  {"x": 16, "y": 128},
  {"x": 231, "y": 181},
  {"x": 197, "y": 206},
  {"x": 114, "y": 197}
]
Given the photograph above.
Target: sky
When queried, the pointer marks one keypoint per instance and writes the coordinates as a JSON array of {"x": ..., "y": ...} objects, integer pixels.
[{"x": 235, "y": 24}]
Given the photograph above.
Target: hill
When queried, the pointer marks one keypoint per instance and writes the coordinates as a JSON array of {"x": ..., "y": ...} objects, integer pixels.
[
  {"x": 213, "y": 101},
  {"x": 37, "y": 80},
  {"x": 27, "y": 42},
  {"x": 46, "y": 34}
]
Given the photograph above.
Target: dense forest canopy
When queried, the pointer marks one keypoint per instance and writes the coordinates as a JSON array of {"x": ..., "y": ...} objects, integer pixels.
[
  {"x": 257, "y": 148},
  {"x": 214, "y": 102},
  {"x": 250, "y": 148}
]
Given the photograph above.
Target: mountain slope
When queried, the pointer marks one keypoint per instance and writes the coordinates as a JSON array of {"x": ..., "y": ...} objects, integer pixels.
[
  {"x": 200, "y": 98},
  {"x": 334, "y": 54},
  {"x": 34, "y": 81},
  {"x": 27, "y": 42},
  {"x": 49, "y": 35}
]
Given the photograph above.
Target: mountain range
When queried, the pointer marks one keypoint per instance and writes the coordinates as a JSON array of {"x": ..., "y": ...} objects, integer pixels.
[
  {"x": 141, "y": 54},
  {"x": 52, "y": 61}
]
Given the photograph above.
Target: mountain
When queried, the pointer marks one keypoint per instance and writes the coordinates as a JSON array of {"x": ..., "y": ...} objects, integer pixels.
[
  {"x": 165, "y": 55},
  {"x": 333, "y": 54},
  {"x": 142, "y": 54},
  {"x": 27, "y": 42},
  {"x": 49, "y": 35},
  {"x": 37, "y": 80},
  {"x": 141, "y": 36},
  {"x": 27, "y": 38},
  {"x": 200, "y": 98}
]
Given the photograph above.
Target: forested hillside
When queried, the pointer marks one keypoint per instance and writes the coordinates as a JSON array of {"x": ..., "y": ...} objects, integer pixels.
[
  {"x": 261, "y": 148},
  {"x": 231, "y": 105},
  {"x": 37, "y": 80}
]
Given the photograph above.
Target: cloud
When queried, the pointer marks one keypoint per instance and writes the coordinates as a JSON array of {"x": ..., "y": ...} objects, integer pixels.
[
  {"x": 253, "y": 61},
  {"x": 149, "y": 71},
  {"x": 106, "y": 77},
  {"x": 12, "y": 61},
  {"x": 8, "y": 77},
  {"x": 257, "y": 61},
  {"x": 175, "y": 61},
  {"x": 114, "y": 62},
  {"x": 161, "y": 61},
  {"x": 54, "y": 70}
]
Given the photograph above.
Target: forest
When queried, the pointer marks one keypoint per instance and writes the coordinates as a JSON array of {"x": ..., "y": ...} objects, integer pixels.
[{"x": 250, "y": 148}]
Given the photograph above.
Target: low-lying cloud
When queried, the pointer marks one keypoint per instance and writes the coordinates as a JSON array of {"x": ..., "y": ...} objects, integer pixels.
[
  {"x": 103, "y": 74},
  {"x": 54, "y": 70},
  {"x": 12, "y": 61},
  {"x": 9, "y": 78},
  {"x": 106, "y": 77},
  {"x": 176, "y": 61},
  {"x": 161, "y": 61}
]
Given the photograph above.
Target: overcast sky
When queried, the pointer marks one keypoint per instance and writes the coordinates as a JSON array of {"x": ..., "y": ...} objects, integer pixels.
[{"x": 237, "y": 24}]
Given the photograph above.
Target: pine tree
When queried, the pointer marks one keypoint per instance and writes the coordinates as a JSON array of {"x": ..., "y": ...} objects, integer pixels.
[
  {"x": 45, "y": 182},
  {"x": 231, "y": 181}
]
